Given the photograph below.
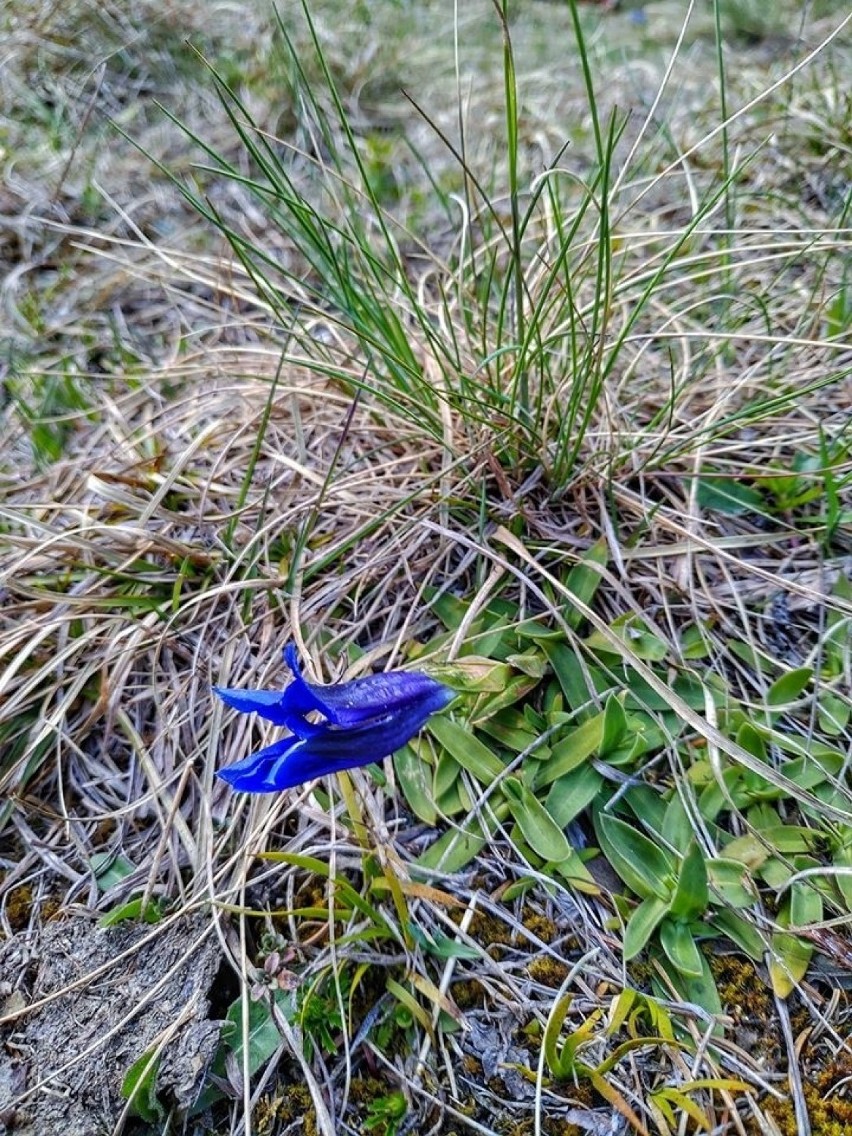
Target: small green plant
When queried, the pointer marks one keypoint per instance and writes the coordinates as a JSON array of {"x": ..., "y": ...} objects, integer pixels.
[
  {"x": 319, "y": 1011},
  {"x": 52, "y": 405},
  {"x": 529, "y": 751},
  {"x": 139, "y": 1088},
  {"x": 386, "y": 1114}
]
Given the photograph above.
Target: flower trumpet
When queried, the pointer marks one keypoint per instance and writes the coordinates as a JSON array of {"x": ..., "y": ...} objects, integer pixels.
[{"x": 361, "y": 722}]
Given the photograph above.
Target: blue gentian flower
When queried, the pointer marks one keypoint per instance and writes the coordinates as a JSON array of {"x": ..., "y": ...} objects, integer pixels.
[{"x": 362, "y": 721}]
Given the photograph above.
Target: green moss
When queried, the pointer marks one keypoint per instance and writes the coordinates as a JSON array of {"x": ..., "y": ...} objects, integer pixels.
[
  {"x": 291, "y": 1104},
  {"x": 19, "y": 906},
  {"x": 830, "y": 1116},
  {"x": 491, "y": 933},
  {"x": 469, "y": 994},
  {"x": 548, "y": 971},
  {"x": 550, "y": 1127},
  {"x": 749, "y": 1003},
  {"x": 540, "y": 925}
]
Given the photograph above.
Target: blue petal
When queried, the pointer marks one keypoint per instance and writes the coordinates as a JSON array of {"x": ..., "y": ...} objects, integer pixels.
[
  {"x": 358, "y": 701},
  {"x": 252, "y": 774},
  {"x": 329, "y": 750},
  {"x": 269, "y": 704}
]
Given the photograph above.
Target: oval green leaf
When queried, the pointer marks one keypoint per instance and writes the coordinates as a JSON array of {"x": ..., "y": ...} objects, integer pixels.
[
  {"x": 539, "y": 829},
  {"x": 642, "y": 924},
  {"x": 692, "y": 893},
  {"x": 645, "y": 867},
  {"x": 789, "y": 686},
  {"x": 678, "y": 942},
  {"x": 467, "y": 750}
]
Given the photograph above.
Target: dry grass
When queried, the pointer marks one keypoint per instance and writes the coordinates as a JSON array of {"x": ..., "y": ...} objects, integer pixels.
[{"x": 187, "y": 484}]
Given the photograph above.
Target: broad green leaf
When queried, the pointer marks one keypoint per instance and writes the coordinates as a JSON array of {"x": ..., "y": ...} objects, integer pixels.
[
  {"x": 584, "y": 580},
  {"x": 726, "y": 495},
  {"x": 454, "y": 799},
  {"x": 791, "y": 954},
  {"x": 677, "y": 827},
  {"x": 517, "y": 688},
  {"x": 537, "y": 722},
  {"x": 788, "y": 688},
  {"x": 694, "y": 642},
  {"x": 636, "y": 637},
  {"x": 649, "y": 808},
  {"x": 457, "y": 847},
  {"x": 692, "y": 894},
  {"x": 654, "y": 731},
  {"x": 453, "y": 850},
  {"x": 571, "y": 677},
  {"x": 775, "y": 873},
  {"x": 509, "y": 728},
  {"x": 614, "y": 726},
  {"x": 645, "y": 867},
  {"x": 677, "y": 941},
  {"x": 712, "y": 800},
  {"x": 263, "y": 1037},
  {"x": 702, "y": 991},
  {"x": 762, "y": 816},
  {"x": 110, "y": 868},
  {"x": 755, "y": 659},
  {"x": 139, "y": 1088},
  {"x": 789, "y": 961},
  {"x": 627, "y": 754},
  {"x": 531, "y": 663},
  {"x": 540, "y": 830},
  {"x": 790, "y": 838},
  {"x": 474, "y": 674},
  {"x": 843, "y": 860},
  {"x": 553, "y": 703},
  {"x": 813, "y": 757},
  {"x": 642, "y": 923},
  {"x": 747, "y": 850},
  {"x": 414, "y": 777},
  {"x": 575, "y": 872},
  {"x": 806, "y": 905},
  {"x": 751, "y": 739},
  {"x": 498, "y": 641},
  {"x": 468, "y": 751},
  {"x": 536, "y": 630},
  {"x": 837, "y": 798},
  {"x": 642, "y": 696},
  {"x": 524, "y": 851},
  {"x": 571, "y": 794},
  {"x": 833, "y": 713},
  {"x": 740, "y": 931},
  {"x": 449, "y": 609},
  {"x": 447, "y": 772},
  {"x": 571, "y": 751},
  {"x": 731, "y": 881},
  {"x": 152, "y": 912}
]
